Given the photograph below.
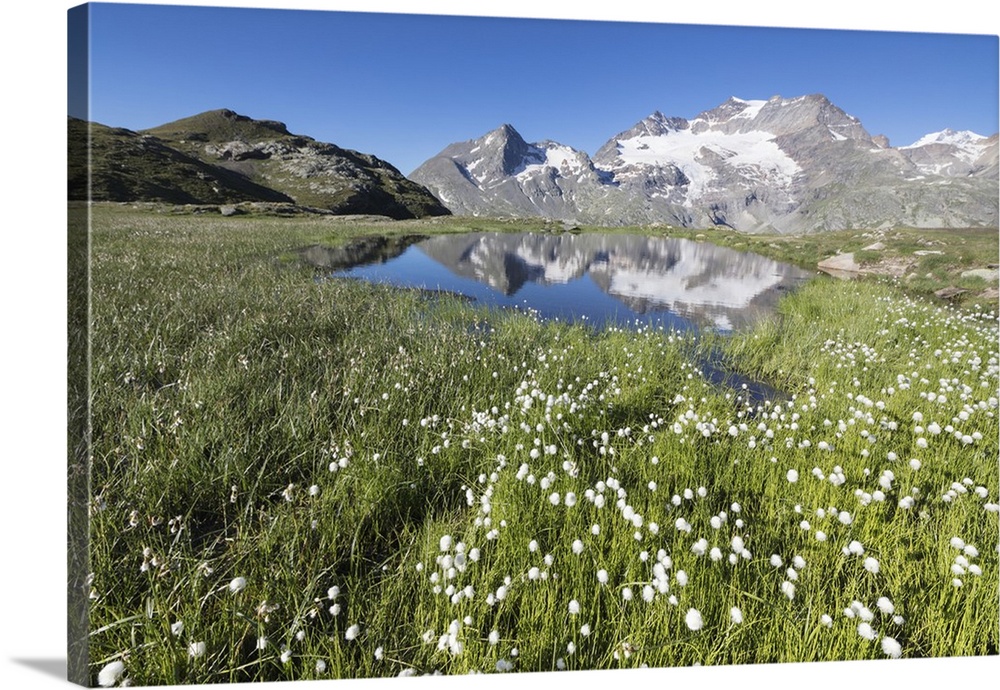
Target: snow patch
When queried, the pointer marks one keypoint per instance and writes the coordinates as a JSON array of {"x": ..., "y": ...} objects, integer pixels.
[
  {"x": 753, "y": 154},
  {"x": 564, "y": 159},
  {"x": 752, "y": 109}
]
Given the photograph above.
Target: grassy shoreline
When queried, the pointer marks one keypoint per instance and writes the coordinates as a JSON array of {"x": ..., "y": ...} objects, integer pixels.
[{"x": 261, "y": 438}]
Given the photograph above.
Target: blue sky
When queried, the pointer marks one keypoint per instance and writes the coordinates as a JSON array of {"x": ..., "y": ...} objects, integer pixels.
[{"x": 404, "y": 86}]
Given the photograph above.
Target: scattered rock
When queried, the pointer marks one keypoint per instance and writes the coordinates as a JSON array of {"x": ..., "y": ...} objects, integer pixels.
[
  {"x": 925, "y": 252},
  {"x": 990, "y": 294},
  {"x": 950, "y": 292},
  {"x": 839, "y": 264},
  {"x": 877, "y": 247},
  {"x": 989, "y": 275},
  {"x": 229, "y": 211}
]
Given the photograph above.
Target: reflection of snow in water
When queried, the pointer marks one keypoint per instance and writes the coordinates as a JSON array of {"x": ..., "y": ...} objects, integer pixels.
[
  {"x": 601, "y": 277},
  {"x": 702, "y": 281},
  {"x": 691, "y": 282}
]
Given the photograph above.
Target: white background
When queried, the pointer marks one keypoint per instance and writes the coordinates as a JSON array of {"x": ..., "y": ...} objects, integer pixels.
[{"x": 33, "y": 340}]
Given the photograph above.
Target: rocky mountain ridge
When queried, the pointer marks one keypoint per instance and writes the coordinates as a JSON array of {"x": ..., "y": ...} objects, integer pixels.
[
  {"x": 223, "y": 157},
  {"x": 785, "y": 165}
]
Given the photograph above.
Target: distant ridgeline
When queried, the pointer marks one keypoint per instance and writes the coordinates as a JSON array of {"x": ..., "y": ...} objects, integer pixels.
[
  {"x": 782, "y": 165},
  {"x": 220, "y": 157}
]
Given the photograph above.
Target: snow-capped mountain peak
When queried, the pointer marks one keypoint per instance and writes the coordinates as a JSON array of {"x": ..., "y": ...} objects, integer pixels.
[
  {"x": 780, "y": 164},
  {"x": 953, "y": 153},
  {"x": 961, "y": 139}
]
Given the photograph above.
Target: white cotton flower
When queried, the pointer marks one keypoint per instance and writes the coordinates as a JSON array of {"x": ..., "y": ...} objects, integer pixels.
[
  {"x": 715, "y": 554},
  {"x": 891, "y": 647},
  {"x": 826, "y": 620},
  {"x": 286, "y": 656},
  {"x": 871, "y": 565},
  {"x": 776, "y": 561},
  {"x": 177, "y": 628},
  {"x": 577, "y": 547},
  {"x": 865, "y": 630},
  {"x": 352, "y": 632},
  {"x": 237, "y": 584},
  {"x": 792, "y": 476},
  {"x": 534, "y": 573},
  {"x": 788, "y": 589},
  {"x": 682, "y": 578},
  {"x": 820, "y": 535},
  {"x": 885, "y": 605},
  {"x": 693, "y": 619},
  {"x": 957, "y": 543},
  {"x": 627, "y": 594},
  {"x": 110, "y": 674},
  {"x": 321, "y": 666},
  {"x": 602, "y": 576},
  {"x": 574, "y": 607},
  {"x": 799, "y": 562},
  {"x": 196, "y": 649},
  {"x": 735, "y": 615},
  {"x": 445, "y": 543}
]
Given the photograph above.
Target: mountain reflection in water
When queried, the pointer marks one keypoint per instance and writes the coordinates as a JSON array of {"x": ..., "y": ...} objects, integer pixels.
[{"x": 617, "y": 279}]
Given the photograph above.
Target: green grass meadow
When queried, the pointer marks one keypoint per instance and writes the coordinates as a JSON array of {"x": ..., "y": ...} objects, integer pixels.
[{"x": 295, "y": 477}]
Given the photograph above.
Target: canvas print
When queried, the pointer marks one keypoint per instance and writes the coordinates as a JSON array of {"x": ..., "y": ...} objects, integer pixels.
[{"x": 408, "y": 344}]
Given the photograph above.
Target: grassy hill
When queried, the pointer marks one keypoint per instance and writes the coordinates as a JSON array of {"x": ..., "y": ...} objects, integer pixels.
[{"x": 222, "y": 157}]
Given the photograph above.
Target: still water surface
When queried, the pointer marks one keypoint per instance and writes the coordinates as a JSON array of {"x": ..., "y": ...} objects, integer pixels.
[{"x": 602, "y": 279}]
